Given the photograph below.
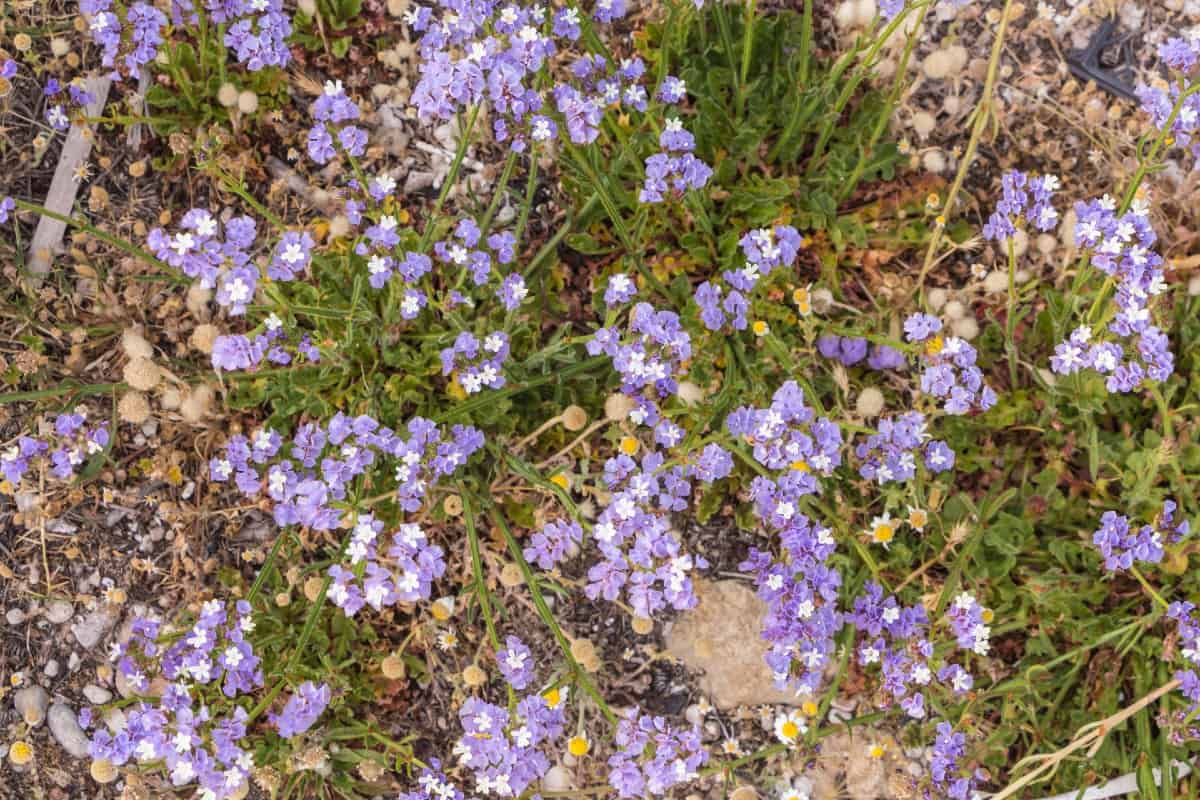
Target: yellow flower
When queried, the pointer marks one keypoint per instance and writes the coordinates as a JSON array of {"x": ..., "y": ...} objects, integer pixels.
[
  {"x": 802, "y": 297},
  {"x": 876, "y": 750},
  {"x": 443, "y": 608},
  {"x": 988, "y": 615},
  {"x": 883, "y": 529},
  {"x": 730, "y": 747},
  {"x": 934, "y": 346},
  {"x": 800, "y": 466},
  {"x": 561, "y": 481},
  {"x": 629, "y": 445},
  {"x": 20, "y": 753},
  {"x": 760, "y": 328},
  {"x": 578, "y": 746},
  {"x": 809, "y": 708}
]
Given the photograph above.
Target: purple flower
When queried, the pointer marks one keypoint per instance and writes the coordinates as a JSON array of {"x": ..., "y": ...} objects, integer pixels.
[
  {"x": 553, "y": 543},
  {"x": 302, "y": 709},
  {"x": 516, "y": 663}
]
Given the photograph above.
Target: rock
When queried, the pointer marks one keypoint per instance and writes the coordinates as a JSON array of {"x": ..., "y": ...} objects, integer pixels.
[
  {"x": 721, "y": 638},
  {"x": 91, "y": 629},
  {"x": 96, "y": 695},
  {"x": 64, "y": 725},
  {"x": 31, "y": 703},
  {"x": 15, "y": 616},
  {"x": 74, "y": 661},
  {"x": 51, "y": 669},
  {"x": 59, "y": 611},
  {"x": 557, "y": 780}
]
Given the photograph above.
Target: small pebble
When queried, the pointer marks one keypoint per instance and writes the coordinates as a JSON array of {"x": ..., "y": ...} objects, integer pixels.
[
  {"x": 59, "y": 611},
  {"x": 96, "y": 695},
  {"x": 51, "y": 669},
  {"x": 15, "y": 616}
]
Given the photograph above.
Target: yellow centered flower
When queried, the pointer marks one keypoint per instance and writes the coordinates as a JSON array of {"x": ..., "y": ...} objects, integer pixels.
[
  {"x": 918, "y": 518},
  {"x": 883, "y": 529},
  {"x": 800, "y": 466},
  {"x": 629, "y": 445},
  {"x": 761, "y": 328},
  {"x": 560, "y": 480},
  {"x": 20, "y": 753},
  {"x": 809, "y": 708},
  {"x": 934, "y": 345},
  {"x": 578, "y": 746},
  {"x": 988, "y": 615},
  {"x": 876, "y": 751},
  {"x": 789, "y": 730}
]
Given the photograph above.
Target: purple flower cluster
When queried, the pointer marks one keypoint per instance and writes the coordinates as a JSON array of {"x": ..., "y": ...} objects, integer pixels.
[
  {"x": 1120, "y": 246},
  {"x": 1180, "y": 55},
  {"x": 179, "y": 729},
  {"x": 1023, "y": 198},
  {"x": 1189, "y": 647},
  {"x": 653, "y": 355},
  {"x": 554, "y": 543},
  {"x": 967, "y": 618},
  {"x": 221, "y": 263},
  {"x": 890, "y": 455},
  {"x": 328, "y": 134},
  {"x": 641, "y": 554},
  {"x": 504, "y": 750},
  {"x": 259, "y": 31},
  {"x": 653, "y": 757},
  {"x": 232, "y": 352},
  {"x": 787, "y": 435},
  {"x": 800, "y": 589},
  {"x": 949, "y": 373},
  {"x": 344, "y": 449},
  {"x": 406, "y": 575},
  {"x": 765, "y": 249},
  {"x": 620, "y": 290},
  {"x": 895, "y": 638},
  {"x": 302, "y": 709},
  {"x": 676, "y": 167},
  {"x": 71, "y": 443},
  {"x": 950, "y": 777},
  {"x": 1121, "y": 544},
  {"x": 479, "y": 364},
  {"x": 145, "y": 33},
  {"x": 77, "y": 95},
  {"x": 432, "y": 784}
]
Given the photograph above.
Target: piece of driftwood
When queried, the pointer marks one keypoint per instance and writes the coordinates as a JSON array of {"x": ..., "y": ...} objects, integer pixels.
[{"x": 47, "y": 238}]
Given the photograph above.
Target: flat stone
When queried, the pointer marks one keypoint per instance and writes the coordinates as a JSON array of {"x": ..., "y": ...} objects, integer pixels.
[
  {"x": 722, "y": 638},
  {"x": 14, "y": 616},
  {"x": 91, "y": 629},
  {"x": 64, "y": 725}
]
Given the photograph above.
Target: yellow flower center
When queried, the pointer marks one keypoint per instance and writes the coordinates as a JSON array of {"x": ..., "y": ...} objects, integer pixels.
[
  {"x": 918, "y": 519},
  {"x": 809, "y": 708},
  {"x": 884, "y": 533},
  {"x": 934, "y": 345},
  {"x": 552, "y": 698},
  {"x": 760, "y": 328},
  {"x": 800, "y": 466},
  {"x": 629, "y": 445},
  {"x": 790, "y": 730},
  {"x": 988, "y": 615},
  {"x": 560, "y": 480},
  {"x": 876, "y": 751},
  {"x": 578, "y": 746}
]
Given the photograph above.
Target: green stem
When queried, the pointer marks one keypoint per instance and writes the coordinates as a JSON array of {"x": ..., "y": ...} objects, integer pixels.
[
  {"x": 1137, "y": 573},
  {"x": 581, "y": 676},
  {"x": 120, "y": 244},
  {"x": 1010, "y": 320},
  {"x": 464, "y": 141}
]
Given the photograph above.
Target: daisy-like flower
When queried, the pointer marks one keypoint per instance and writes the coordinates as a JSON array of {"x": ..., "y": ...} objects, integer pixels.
[
  {"x": 760, "y": 328},
  {"x": 731, "y": 747},
  {"x": 790, "y": 726},
  {"x": 918, "y": 518},
  {"x": 883, "y": 529},
  {"x": 447, "y": 639}
]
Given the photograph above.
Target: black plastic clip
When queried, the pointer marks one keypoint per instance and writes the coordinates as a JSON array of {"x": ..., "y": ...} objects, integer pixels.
[{"x": 1101, "y": 60}]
